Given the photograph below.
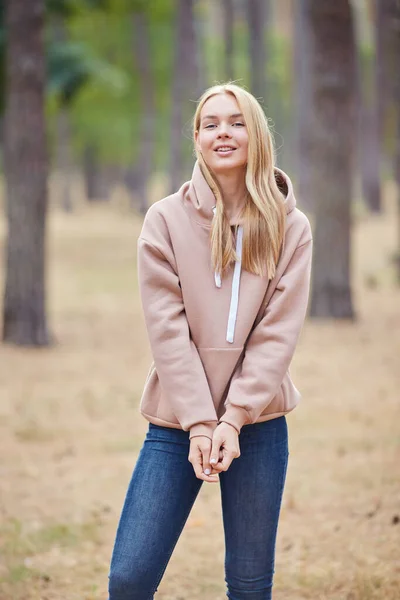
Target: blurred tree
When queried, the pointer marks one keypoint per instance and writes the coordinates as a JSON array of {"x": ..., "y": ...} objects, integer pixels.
[
  {"x": 395, "y": 32},
  {"x": 63, "y": 146},
  {"x": 138, "y": 178},
  {"x": 184, "y": 86},
  {"x": 333, "y": 102},
  {"x": 24, "y": 316},
  {"x": 384, "y": 73},
  {"x": 302, "y": 106},
  {"x": 258, "y": 22},
  {"x": 229, "y": 18},
  {"x": 368, "y": 136},
  {"x": 72, "y": 65}
]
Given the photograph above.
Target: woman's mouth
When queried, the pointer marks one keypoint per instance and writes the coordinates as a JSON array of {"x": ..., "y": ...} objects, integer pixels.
[{"x": 225, "y": 150}]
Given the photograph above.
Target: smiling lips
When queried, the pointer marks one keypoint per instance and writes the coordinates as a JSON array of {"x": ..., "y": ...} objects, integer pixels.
[{"x": 224, "y": 149}]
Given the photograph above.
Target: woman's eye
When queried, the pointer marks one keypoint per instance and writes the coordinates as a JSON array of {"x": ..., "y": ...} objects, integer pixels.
[{"x": 213, "y": 125}]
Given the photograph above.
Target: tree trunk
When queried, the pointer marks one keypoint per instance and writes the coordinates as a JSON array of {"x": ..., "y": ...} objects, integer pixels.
[
  {"x": 257, "y": 15},
  {"x": 395, "y": 28},
  {"x": 63, "y": 143},
  {"x": 303, "y": 113},
  {"x": 26, "y": 171},
  {"x": 141, "y": 52},
  {"x": 386, "y": 69},
  {"x": 64, "y": 158},
  {"x": 333, "y": 100},
  {"x": 185, "y": 78},
  {"x": 368, "y": 132},
  {"x": 229, "y": 15},
  {"x": 98, "y": 178}
]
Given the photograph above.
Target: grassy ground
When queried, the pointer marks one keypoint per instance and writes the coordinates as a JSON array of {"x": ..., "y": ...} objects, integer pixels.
[{"x": 71, "y": 431}]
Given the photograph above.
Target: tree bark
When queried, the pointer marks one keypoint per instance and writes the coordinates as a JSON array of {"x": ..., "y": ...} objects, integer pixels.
[
  {"x": 229, "y": 15},
  {"x": 386, "y": 69},
  {"x": 26, "y": 169},
  {"x": 257, "y": 15},
  {"x": 184, "y": 86},
  {"x": 63, "y": 142},
  {"x": 303, "y": 113},
  {"x": 395, "y": 29},
  {"x": 64, "y": 158},
  {"x": 333, "y": 101},
  {"x": 98, "y": 178},
  {"x": 141, "y": 52}
]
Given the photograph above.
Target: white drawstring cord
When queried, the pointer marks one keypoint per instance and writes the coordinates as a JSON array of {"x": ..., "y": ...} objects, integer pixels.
[{"x": 233, "y": 308}]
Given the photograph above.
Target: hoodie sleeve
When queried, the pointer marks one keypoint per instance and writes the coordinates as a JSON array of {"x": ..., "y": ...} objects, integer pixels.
[
  {"x": 179, "y": 368},
  {"x": 272, "y": 343}
]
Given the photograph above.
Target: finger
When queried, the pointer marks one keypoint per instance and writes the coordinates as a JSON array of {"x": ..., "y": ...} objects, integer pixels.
[
  {"x": 226, "y": 462},
  {"x": 205, "y": 460},
  {"x": 216, "y": 468},
  {"x": 198, "y": 469},
  {"x": 215, "y": 450},
  {"x": 197, "y": 464}
]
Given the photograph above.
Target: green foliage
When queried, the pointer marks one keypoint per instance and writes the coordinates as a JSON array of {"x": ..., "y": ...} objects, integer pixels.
[
  {"x": 68, "y": 8},
  {"x": 71, "y": 65},
  {"x": 95, "y": 75},
  {"x": 109, "y": 121}
]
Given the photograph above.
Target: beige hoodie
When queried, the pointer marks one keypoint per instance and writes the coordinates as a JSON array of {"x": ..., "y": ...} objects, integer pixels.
[{"x": 221, "y": 349}]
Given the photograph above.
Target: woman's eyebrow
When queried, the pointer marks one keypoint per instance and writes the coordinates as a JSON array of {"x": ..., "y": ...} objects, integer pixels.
[{"x": 234, "y": 116}]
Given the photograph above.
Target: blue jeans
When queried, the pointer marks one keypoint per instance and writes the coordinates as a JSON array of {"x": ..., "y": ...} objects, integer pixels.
[{"x": 162, "y": 492}]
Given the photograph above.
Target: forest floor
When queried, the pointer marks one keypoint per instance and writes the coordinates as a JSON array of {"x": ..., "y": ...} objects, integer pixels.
[{"x": 71, "y": 431}]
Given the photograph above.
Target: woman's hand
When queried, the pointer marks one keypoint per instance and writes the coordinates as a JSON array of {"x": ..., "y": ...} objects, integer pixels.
[
  {"x": 225, "y": 442},
  {"x": 199, "y": 456}
]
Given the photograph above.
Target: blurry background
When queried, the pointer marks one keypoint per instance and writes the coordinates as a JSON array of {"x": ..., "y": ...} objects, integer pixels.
[{"x": 96, "y": 101}]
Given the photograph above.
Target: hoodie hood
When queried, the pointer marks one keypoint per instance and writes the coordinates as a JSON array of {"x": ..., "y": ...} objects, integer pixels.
[{"x": 200, "y": 197}]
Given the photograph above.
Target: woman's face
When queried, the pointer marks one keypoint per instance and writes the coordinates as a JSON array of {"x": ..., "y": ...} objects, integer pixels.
[{"x": 222, "y": 136}]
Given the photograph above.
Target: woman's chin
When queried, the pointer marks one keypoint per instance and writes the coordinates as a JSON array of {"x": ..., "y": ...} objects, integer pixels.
[{"x": 223, "y": 166}]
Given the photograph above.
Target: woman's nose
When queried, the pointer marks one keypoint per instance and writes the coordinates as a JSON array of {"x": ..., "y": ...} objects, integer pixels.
[{"x": 223, "y": 131}]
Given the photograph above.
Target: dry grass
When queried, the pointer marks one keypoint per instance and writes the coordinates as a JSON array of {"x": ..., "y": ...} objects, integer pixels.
[{"x": 70, "y": 433}]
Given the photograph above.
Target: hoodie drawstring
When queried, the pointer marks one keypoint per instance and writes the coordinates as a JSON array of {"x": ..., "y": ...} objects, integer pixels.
[{"x": 233, "y": 308}]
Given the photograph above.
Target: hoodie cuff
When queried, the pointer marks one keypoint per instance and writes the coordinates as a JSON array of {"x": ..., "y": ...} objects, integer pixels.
[
  {"x": 206, "y": 429},
  {"x": 235, "y": 416}
]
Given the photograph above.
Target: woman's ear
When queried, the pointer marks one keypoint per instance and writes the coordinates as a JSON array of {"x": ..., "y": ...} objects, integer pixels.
[{"x": 196, "y": 139}]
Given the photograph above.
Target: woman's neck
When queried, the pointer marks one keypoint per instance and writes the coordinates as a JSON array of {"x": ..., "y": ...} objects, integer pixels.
[{"x": 233, "y": 188}]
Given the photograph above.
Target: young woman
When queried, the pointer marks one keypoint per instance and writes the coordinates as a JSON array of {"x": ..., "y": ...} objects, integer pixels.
[{"x": 224, "y": 269}]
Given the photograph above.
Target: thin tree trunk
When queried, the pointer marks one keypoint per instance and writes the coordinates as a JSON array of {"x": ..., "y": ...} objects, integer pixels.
[
  {"x": 64, "y": 158},
  {"x": 141, "y": 51},
  {"x": 89, "y": 172},
  {"x": 63, "y": 146},
  {"x": 368, "y": 132},
  {"x": 258, "y": 17},
  {"x": 395, "y": 31},
  {"x": 229, "y": 16},
  {"x": 26, "y": 171},
  {"x": 397, "y": 176},
  {"x": 180, "y": 90},
  {"x": 302, "y": 104},
  {"x": 98, "y": 178},
  {"x": 194, "y": 87},
  {"x": 334, "y": 72},
  {"x": 385, "y": 70}
]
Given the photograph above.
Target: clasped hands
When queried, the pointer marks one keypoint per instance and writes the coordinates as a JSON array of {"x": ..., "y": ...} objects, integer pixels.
[{"x": 210, "y": 457}]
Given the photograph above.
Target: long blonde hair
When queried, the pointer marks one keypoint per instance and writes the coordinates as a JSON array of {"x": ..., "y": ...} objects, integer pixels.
[{"x": 264, "y": 211}]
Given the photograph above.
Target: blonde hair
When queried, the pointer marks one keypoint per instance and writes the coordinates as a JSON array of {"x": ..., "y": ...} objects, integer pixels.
[{"x": 264, "y": 211}]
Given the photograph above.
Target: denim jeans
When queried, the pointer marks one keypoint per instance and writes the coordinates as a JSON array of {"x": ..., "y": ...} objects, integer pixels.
[{"x": 162, "y": 492}]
